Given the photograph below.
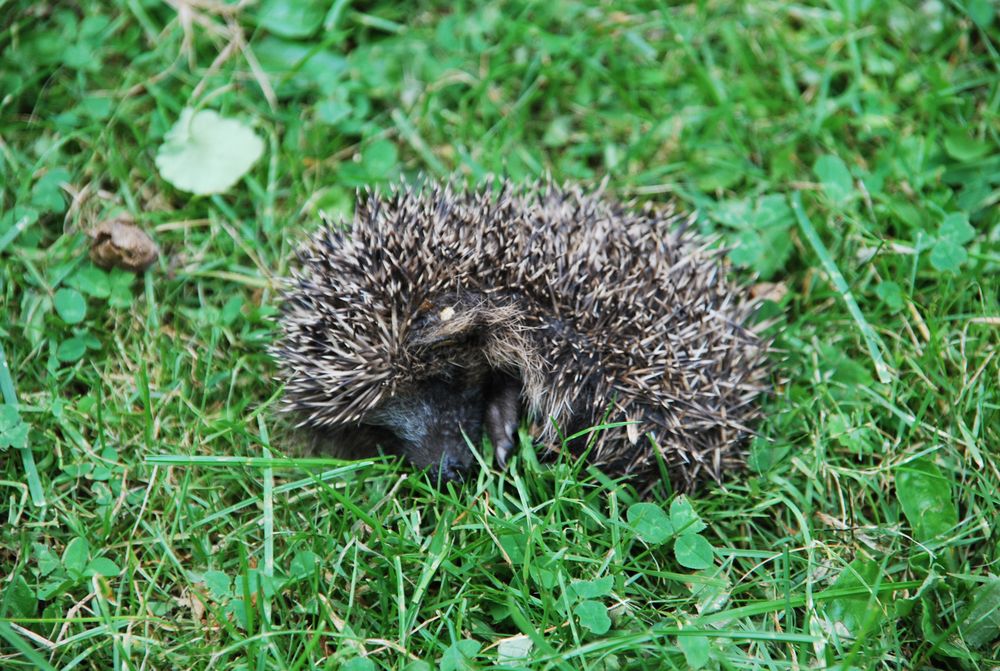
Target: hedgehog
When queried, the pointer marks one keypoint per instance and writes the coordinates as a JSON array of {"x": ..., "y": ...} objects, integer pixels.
[{"x": 440, "y": 315}]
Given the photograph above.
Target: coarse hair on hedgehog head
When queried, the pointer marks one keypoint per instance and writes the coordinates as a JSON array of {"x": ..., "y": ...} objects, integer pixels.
[{"x": 442, "y": 314}]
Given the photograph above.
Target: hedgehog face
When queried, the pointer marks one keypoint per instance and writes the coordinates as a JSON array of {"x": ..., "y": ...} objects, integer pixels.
[{"x": 433, "y": 422}]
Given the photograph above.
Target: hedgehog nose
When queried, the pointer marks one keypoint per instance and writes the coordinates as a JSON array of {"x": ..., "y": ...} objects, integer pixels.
[{"x": 452, "y": 470}]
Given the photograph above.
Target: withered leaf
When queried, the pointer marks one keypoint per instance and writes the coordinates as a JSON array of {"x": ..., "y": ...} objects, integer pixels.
[{"x": 119, "y": 243}]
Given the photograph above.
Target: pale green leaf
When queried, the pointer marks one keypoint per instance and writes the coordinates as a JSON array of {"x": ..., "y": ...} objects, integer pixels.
[
  {"x": 592, "y": 589},
  {"x": 695, "y": 649},
  {"x": 650, "y": 522},
  {"x": 963, "y": 148},
  {"x": 594, "y": 616},
  {"x": 291, "y": 19},
  {"x": 359, "y": 664},
  {"x": 75, "y": 556},
  {"x": 693, "y": 551},
  {"x": 982, "y": 624},
  {"x": 71, "y": 349},
  {"x": 71, "y": 305},
  {"x": 852, "y": 611},
  {"x": 379, "y": 159},
  {"x": 91, "y": 280},
  {"x": 835, "y": 178},
  {"x": 102, "y": 566},
  {"x": 205, "y": 153},
  {"x": 19, "y": 598},
  {"x": 956, "y": 227},
  {"x": 948, "y": 256},
  {"x": 891, "y": 294},
  {"x": 982, "y": 12},
  {"x": 459, "y": 656},
  {"x": 303, "y": 564},
  {"x": 514, "y": 648},
  {"x": 219, "y": 585},
  {"x": 47, "y": 194},
  {"x": 332, "y": 111},
  {"x": 925, "y": 495},
  {"x": 683, "y": 517},
  {"x": 13, "y": 430}
]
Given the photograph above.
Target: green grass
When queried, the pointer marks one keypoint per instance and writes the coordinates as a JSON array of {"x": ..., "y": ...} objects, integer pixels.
[{"x": 849, "y": 150}]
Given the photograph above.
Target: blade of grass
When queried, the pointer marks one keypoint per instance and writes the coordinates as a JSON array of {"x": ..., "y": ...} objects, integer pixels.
[
  {"x": 872, "y": 341},
  {"x": 8, "y": 634},
  {"x": 14, "y": 231},
  {"x": 412, "y": 136},
  {"x": 27, "y": 458},
  {"x": 268, "y": 511}
]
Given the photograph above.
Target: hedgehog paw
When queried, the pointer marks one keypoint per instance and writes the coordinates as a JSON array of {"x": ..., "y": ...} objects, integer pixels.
[
  {"x": 505, "y": 447},
  {"x": 502, "y": 413}
]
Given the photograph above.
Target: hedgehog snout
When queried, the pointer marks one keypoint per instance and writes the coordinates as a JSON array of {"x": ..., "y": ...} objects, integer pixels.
[
  {"x": 452, "y": 469},
  {"x": 432, "y": 423}
]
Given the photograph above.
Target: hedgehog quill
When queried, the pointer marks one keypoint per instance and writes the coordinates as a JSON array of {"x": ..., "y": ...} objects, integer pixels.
[{"x": 440, "y": 315}]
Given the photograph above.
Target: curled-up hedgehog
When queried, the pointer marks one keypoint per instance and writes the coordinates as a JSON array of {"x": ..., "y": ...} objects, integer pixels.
[{"x": 440, "y": 315}]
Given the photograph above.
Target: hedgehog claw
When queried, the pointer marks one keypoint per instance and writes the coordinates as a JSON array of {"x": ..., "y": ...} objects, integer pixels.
[
  {"x": 502, "y": 415},
  {"x": 503, "y": 451},
  {"x": 505, "y": 447}
]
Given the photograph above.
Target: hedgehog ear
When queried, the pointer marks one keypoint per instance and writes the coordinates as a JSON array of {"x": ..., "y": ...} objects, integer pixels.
[{"x": 438, "y": 325}]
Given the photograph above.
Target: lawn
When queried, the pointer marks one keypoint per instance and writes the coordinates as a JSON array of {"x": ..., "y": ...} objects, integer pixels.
[{"x": 154, "y": 512}]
